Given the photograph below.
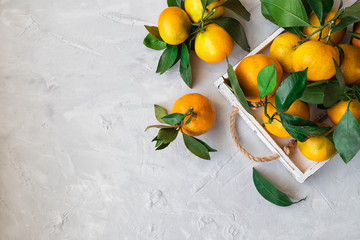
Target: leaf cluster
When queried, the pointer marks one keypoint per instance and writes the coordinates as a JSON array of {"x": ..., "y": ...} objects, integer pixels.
[
  {"x": 294, "y": 15},
  {"x": 174, "y": 53},
  {"x": 168, "y": 133}
]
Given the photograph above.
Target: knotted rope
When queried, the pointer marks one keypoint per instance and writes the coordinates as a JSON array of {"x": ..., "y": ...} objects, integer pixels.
[{"x": 287, "y": 149}]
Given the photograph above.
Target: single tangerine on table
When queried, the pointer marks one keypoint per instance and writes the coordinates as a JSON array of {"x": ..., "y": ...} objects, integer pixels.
[
  {"x": 204, "y": 110},
  {"x": 174, "y": 25},
  {"x": 213, "y": 44},
  {"x": 335, "y": 37},
  {"x": 318, "y": 58},
  {"x": 247, "y": 72},
  {"x": 194, "y": 9},
  {"x": 298, "y": 108}
]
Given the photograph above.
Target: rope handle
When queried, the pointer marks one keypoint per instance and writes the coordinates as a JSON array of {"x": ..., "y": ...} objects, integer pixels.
[{"x": 287, "y": 149}]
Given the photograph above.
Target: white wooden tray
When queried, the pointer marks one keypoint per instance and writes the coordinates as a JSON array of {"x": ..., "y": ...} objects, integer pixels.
[{"x": 299, "y": 166}]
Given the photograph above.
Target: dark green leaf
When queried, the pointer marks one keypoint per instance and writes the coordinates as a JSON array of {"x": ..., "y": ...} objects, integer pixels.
[
  {"x": 271, "y": 193},
  {"x": 196, "y": 147},
  {"x": 167, "y": 59},
  {"x": 173, "y": 118},
  {"x": 313, "y": 94},
  {"x": 237, "y": 90},
  {"x": 167, "y": 134},
  {"x": 266, "y": 80},
  {"x": 285, "y": 13},
  {"x": 157, "y": 126},
  {"x": 351, "y": 15},
  {"x": 296, "y": 30},
  {"x": 174, "y": 3},
  {"x": 153, "y": 43},
  {"x": 321, "y": 8},
  {"x": 210, "y": 149},
  {"x": 185, "y": 68},
  {"x": 235, "y": 30},
  {"x": 162, "y": 146},
  {"x": 237, "y": 8},
  {"x": 339, "y": 76},
  {"x": 313, "y": 84},
  {"x": 355, "y": 35},
  {"x": 332, "y": 93},
  {"x": 356, "y": 89},
  {"x": 160, "y": 112},
  {"x": 301, "y": 129},
  {"x": 347, "y": 137},
  {"x": 307, "y": 7},
  {"x": 159, "y": 142},
  {"x": 154, "y": 31},
  {"x": 290, "y": 89}
]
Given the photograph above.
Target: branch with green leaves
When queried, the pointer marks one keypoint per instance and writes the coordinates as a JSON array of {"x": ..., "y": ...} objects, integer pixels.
[
  {"x": 174, "y": 53},
  {"x": 293, "y": 16},
  {"x": 168, "y": 133}
]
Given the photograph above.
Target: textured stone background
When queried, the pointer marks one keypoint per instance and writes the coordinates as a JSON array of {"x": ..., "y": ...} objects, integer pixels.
[{"x": 77, "y": 90}]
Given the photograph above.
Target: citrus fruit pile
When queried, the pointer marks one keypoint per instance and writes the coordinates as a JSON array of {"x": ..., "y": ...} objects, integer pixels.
[
  {"x": 322, "y": 71},
  {"x": 196, "y": 25}
]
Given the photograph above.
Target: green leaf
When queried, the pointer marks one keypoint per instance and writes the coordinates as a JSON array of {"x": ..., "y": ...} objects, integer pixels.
[
  {"x": 355, "y": 35},
  {"x": 206, "y": 2},
  {"x": 266, "y": 80},
  {"x": 237, "y": 8},
  {"x": 162, "y": 146},
  {"x": 160, "y": 112},
  {"x": 313, "y": 94},
  {"x": 235, "y": 30},
  {"x": 321, "y": 8},
  {"x": 339, "y": 76},
  {"x": 185, "y": 68},
  {"x": 210, "y": 149},
  {"x": 356, "y": 89},
  {"x": 351, "y": 15},
  {"x": 154, "y": 31},
  {"x": 332, "y": 93},
  {"x": 301, "y": 129},
  {"x": 174, "y": 3},
  {"x": 347, "y": 136},
  {"x": 173, "y": 118},
  {"x": 157, "y": 126},
  {"x": 153, "y": 43},
  {"x": 271, "y": 193},
  {"x": 237, "y": 90},
  {"x": 167, "y": 59},
  {"x": 295, "y": 30},
  {"x": 290, "y": 89},
  {"x": 285, "y": 13},
  {"x": 167, "y": 134},
  {"x": 196, "y": 147}
]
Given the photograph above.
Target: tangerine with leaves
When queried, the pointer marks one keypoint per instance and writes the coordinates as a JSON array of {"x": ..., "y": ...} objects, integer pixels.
[
  {"x": 247, "y": 72},
  {"x": 335, "y": 37},
  {"x": 318, "y": 58},
  {"x": 213, "y": 44},
  {"x": 203, "y": 117},
  {"x": 174, "y": 25},
  {"x": 194, "y": 9},
  {"x": 283, "y": 48},
  {"x": 318, "y": 148},
  {"x": 336, "y": 112},
  {"x": 298, "y": 108}
]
